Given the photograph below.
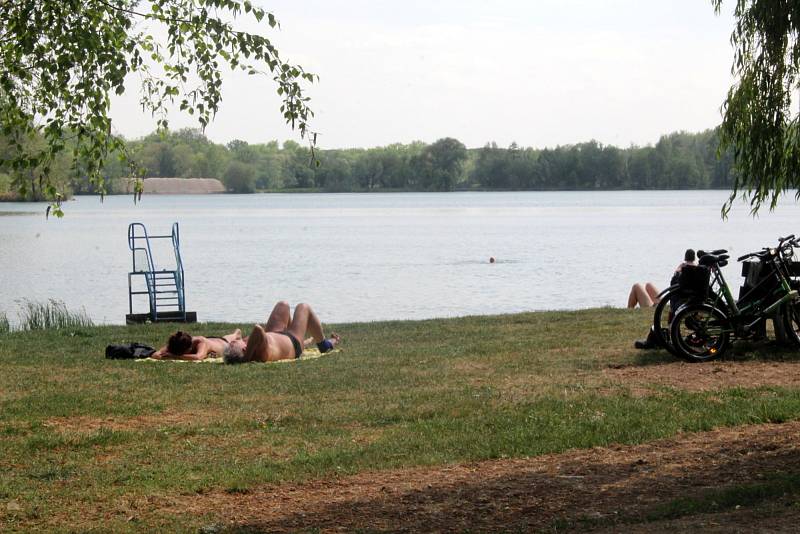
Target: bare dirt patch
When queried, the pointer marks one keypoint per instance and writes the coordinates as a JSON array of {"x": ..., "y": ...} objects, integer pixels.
[
  {"x": 603, "y": 485},
  {"x": 708, "y": 376}
]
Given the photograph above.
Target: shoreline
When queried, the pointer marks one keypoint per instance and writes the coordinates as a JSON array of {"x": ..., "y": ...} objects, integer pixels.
[
  {"x": 500, "y": 318},
  {"x": 8, "y": 198}
]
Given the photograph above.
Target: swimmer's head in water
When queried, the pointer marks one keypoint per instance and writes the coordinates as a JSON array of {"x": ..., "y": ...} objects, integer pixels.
[
  {"x": 491, "y": 259},
  {"x": 179, "y": 343}
]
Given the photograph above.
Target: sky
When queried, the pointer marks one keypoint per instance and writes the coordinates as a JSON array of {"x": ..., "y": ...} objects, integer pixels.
[{"x": 540, "y": 73}]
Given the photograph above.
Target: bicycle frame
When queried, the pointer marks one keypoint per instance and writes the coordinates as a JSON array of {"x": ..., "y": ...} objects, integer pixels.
[{"x": 743, "y": 318}]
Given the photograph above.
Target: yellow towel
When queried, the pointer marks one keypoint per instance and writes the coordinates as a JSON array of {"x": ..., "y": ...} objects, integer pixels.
[{"x": 308, "y": 354}]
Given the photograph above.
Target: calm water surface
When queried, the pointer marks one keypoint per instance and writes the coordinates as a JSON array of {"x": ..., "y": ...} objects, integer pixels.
[{"x": 365, "y": 257}]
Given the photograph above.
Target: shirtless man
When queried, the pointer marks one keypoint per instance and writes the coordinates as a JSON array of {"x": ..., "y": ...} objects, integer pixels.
[
  {"x": 183, "y": 346},
  {"x": 282, "y": 338}
]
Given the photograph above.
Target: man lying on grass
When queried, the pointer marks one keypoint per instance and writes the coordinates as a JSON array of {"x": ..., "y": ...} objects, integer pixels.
[
  {"x": 183, "y": 346},
  {"x": 282, "y": 338}
]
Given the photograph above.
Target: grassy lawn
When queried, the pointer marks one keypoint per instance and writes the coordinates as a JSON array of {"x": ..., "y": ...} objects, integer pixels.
[{"x": 83, "y": 439}]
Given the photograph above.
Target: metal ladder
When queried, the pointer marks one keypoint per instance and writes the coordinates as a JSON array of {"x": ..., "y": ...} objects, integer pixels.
[{"x": 165, "y": 290}]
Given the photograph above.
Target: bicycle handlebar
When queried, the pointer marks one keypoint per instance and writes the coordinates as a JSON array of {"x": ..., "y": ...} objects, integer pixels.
[
  {"x": 783, "y": 243},
  {"x": 760, "y": 254}
]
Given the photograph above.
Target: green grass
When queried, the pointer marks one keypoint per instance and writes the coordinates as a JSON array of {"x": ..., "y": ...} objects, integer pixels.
[{"x": 80, "y": 434}]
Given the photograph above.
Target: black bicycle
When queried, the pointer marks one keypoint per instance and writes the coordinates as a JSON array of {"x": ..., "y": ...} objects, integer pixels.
[
  {"x": 674, "y": 297},
  {"x": 703, "y": 327}
]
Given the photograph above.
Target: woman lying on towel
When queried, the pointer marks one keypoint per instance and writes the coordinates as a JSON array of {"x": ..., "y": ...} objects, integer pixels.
[
  {"x": 282, "y": 338},
  {"x": 183, "y": 346}
]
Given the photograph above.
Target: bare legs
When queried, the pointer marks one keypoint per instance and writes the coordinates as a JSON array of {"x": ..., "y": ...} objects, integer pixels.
[
  {"x": 305, "y": 320},
  {"x": 262, "y": 344},
  {"x": 280, "y": 318},
  {"x": 645, "y": 296}
]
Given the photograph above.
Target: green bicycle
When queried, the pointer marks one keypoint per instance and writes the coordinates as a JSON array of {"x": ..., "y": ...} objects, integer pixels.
[{"x": 702, "y": 329}]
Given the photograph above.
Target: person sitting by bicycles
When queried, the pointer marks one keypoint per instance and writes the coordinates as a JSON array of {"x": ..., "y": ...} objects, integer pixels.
[{"x": 647, "y": 296}]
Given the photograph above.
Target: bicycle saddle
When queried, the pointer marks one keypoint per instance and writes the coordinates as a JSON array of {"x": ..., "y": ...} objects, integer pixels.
[
  {"x": 712, "y": 259},
  {"x": 718, "y": 252}
]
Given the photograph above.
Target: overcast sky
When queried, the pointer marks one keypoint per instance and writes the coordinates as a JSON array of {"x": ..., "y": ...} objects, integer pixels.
[{"x": 538, "y": 72}]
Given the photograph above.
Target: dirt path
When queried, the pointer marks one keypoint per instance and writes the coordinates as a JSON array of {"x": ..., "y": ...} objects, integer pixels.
[
  {"x": 603, "y": 485},
  {"x": 708, "y": 376}
]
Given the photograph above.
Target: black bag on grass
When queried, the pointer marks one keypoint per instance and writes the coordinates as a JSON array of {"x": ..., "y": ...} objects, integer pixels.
[{"x": 128, "y": 351}]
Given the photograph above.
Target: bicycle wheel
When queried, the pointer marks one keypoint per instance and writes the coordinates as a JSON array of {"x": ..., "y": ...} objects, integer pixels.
[
  {"x": 661, "y": 320},
  {"x": 791, "y": 321},
  {"x": 699, "y": 332}
]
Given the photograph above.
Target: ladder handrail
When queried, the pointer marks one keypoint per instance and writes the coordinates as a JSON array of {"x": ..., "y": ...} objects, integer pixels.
[
  {"x": 176, "y": 245},
  {"x": 132, "y": 237},
  {"x": 149, "y": 277}
]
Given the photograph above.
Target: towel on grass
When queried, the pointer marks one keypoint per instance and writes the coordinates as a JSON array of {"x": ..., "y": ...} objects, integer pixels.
[{"x": 310, "y": 353}]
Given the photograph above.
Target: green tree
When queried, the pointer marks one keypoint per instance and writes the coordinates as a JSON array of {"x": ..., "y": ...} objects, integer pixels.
[
  {"x": 269, "y": 169},
  {"x": 442, "y": 163},
  {"x": 242, "y": 151},
  {"x": 5, "y": 186},
  {"x": 61, "y": 59},
  {"x": 368, "y": 172},
  {"x": 396, "y": 170},
  {"x": 758, "y": 123},
  {"x": 334, "y": 173},
  {"x": 240, "y": 177},
  {"x": 216, "y": 161},
  {"x": 298, "y": 167},
  {"x": 185, "y": 161}
]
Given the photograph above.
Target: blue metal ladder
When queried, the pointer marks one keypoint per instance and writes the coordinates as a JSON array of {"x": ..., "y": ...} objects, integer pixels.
[{"x": 164, "y": 287}]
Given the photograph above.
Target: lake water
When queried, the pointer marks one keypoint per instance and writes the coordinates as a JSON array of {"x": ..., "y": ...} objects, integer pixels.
[{"x": 365, "y": 257}]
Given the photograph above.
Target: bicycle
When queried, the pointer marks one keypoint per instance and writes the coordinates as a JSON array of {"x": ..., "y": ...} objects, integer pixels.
[
  {"x": 702, "y": 329},
  {"x": 672, "y": 298}
]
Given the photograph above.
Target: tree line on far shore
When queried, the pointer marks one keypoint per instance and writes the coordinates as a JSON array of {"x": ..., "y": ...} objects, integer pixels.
[{"x": 677, "y": 161}]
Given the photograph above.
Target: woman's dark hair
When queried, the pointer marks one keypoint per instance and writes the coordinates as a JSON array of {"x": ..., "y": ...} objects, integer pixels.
[
  {"x": 179, "y": 343},
  {"x": 689, "y": 255}
]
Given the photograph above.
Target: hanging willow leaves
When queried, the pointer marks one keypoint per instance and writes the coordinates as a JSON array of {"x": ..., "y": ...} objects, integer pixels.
[
  {"x": 61, "y": 60},
  {"x": 758, "y": 122}
]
